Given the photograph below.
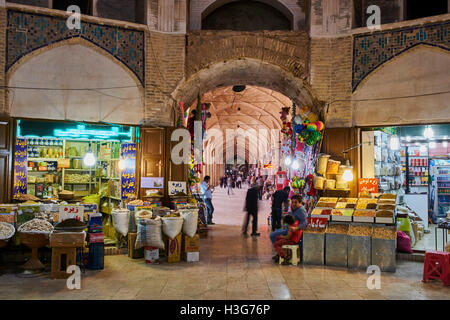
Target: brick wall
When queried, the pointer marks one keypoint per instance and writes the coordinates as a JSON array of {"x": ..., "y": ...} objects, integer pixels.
[
  {"x": 165, "y": 58},
  {"x": 36, "y": 3},
  {"x": 331, "y": 76},
  {"x": 117, "y": 9},
  {"x": 287, "y": 49}
]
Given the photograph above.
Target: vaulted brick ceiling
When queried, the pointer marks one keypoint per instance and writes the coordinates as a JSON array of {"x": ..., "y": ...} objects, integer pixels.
[{"x": 259, "y": 109}]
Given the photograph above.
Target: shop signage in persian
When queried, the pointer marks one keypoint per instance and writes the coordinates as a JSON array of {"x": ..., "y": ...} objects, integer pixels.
[
  {"x": 176, "y": 187},
  {"x": 71, "y": 212},
  {"x": 20, "y": 168},
  {"x": 368, "y": 184},
  {"x": 317, "y": 222},
  {"x": 128, "y": 175}
]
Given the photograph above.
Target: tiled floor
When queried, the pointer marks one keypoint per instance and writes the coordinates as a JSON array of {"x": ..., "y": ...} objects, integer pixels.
[{"x": 230, "y": 267}]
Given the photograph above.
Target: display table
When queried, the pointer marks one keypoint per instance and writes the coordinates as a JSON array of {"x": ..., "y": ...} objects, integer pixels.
[{"x": 64, "y": 251}]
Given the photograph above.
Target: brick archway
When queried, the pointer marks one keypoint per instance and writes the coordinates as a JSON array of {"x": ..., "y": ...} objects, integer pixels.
[{"x": 247, "y": 71}]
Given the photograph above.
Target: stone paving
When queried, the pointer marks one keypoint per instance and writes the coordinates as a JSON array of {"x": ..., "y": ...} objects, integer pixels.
[{"x": 230, "y": 267}]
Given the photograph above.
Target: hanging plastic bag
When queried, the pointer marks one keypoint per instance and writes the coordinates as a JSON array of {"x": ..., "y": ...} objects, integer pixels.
[
  {"x": 121, "y": 220},
  {"x": 149, "y": 233},
  {"x": 172, "y": 226},
  {"x": 190, "y": 219}
]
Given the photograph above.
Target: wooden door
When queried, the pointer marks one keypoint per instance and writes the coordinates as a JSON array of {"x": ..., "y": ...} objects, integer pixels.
[
  {"x": 152, "y": 154},
  {"x": 6, "y": 129},
  {"x": 174, "y": 172}
]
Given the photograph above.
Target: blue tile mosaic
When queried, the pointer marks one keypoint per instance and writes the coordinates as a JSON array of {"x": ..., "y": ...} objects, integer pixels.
[
  {"x": 371, "y": 50},
  {"x": 28, "y": 32}
]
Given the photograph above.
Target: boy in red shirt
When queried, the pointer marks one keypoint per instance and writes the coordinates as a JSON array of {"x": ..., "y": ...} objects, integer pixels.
[{"x": 293, "y": 237}]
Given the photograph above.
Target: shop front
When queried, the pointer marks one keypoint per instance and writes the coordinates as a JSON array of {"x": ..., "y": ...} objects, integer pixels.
[{"x": 411, "y": 161}]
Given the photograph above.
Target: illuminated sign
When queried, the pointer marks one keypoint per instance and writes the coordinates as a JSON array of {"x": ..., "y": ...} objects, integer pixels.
[
  {"x": 81, "y": 132},
  {"x": 73, "y": 131}
]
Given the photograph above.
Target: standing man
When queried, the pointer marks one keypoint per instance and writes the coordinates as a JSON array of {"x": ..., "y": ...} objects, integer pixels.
[
  {"x": 239, "y": 182},
  {"x": 279, "y": 198},
  {"x": 229, "y": 185},
  {"x": 298, "y": 212},
  {"x": 251, "y": 206},
  {"x": 206, "y": 190},
  {"x": 261, "y": 186}
]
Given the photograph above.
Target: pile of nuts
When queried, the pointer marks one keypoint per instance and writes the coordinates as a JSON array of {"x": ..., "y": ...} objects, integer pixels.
[
  {"x": 36, "y": 225},
  {"x": 5, "y": 231},
  {"x": 314, "y": 230},
  {"x": 384, "y": 233},
  {"x": 361, "y": 231},
  {"x": 337, "y": 229}
]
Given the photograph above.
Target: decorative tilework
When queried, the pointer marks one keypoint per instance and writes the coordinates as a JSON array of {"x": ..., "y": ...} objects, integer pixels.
[
  {"x": 371, "y": 50},
  {"x": 30, "y": 31}
]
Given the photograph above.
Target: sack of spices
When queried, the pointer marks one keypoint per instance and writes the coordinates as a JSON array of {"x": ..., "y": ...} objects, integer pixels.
[
  {"x": 190, "y": 218},
  {"x": 121, "y": 220},
  {"x": 149, "y": 233},
  {"x": 172, "y": 226}
]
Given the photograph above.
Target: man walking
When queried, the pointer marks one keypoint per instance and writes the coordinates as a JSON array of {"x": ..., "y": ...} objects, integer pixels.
[
  {"x": 206, "y": 190},
  {"x": 279, "y": 198},
  {"x": 251, "y": 206},
  {"x": 298, "y": 212}
]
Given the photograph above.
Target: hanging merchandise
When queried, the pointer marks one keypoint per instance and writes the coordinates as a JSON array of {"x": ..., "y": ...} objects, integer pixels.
[
  {"x": 306, "y": 114},
  {"x": 310, "y": 132}
]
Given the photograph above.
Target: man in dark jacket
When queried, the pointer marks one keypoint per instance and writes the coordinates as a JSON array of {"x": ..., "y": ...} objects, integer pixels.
[
  {"x": 278, "y": 198},
  {"x": 251, "y": 206}
]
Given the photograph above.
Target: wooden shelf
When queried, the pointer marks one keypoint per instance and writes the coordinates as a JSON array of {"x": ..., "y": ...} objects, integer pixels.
[{"x": 43, "y": 159}]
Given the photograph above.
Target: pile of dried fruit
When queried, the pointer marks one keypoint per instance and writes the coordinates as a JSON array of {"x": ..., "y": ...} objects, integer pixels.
[
  {"x": 371, "y": 206},
  {"x": 385, "y": 214},
  {"x": 361, "y": 231},
  {"x": 323, "y": 199},
  {"x": 316, "y": 212},
  {"x": 384, "y": 233},
  {"x": 386, "y": 207},
  {"x": 337, "y": 212},
  {"x": 349, "y": 200},
  {"x": 36, "y": 225},
  {"x": 337, "y": 229},
  {"x": 362, "y": 213},
  {"x": 341, "y": 205},
  {"x": 347, "y": 212}
]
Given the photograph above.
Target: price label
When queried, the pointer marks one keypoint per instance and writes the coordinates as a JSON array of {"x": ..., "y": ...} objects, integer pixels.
[
  {"x": 317, "y": 222},
  {"x": 368, "y": 184}
]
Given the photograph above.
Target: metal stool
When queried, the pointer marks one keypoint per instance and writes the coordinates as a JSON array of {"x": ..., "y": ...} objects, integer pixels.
[{"x": 295, "y": 249}]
